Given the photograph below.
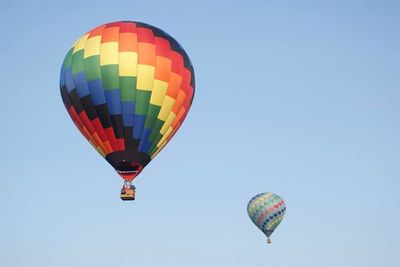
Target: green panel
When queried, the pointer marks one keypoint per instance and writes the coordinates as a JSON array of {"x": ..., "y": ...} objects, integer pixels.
[
  {"x": 154, "y": 110},
  {"x": 77, "y": 62},
  {"x": 150, "y": 120},
  {"x": 154, "y": 147},
  {"x": 128, "y": 88},
  {"x": 109, "y": 75},
  {"x": 92, "y": 68},
  {"x": 142, "y": 102},
  {"x": 151, "y": 150},
  {"x": 68, "y": 59},
  {"x": 152, "y": 114},
  {"x": 158, "y": 139},
  {"x": 156, "y": 130}
]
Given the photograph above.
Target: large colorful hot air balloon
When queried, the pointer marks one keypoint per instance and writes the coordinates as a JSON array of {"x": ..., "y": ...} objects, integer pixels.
[
  {"x": 128, "y": 87},
  {"x": 266, "y": 210}
]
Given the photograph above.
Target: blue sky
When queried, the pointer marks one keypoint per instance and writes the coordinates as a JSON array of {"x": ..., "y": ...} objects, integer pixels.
[{"x": 299, "y": 98}]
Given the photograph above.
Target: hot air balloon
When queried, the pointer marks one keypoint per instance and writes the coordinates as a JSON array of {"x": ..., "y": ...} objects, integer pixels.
[
  {"x": 266, "y": 210},
  {"x": 127, "y": 87}
]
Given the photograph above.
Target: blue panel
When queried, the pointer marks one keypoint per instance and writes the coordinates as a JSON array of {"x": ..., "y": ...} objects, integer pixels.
[
  {"x": 139, "y": 125},
  {"x": 69, "y": 81},
  {"x": 128, "y": 114},
  {"x": 113, "y": 101},
  {"x": 81, "y": 84},
  {"x": 144, "y": 144},
  {"x": 97, "y": 92},
  {"x": 62, "y": 80}
]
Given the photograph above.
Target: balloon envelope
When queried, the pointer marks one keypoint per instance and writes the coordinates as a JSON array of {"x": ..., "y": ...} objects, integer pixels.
[
  {"x": 266, "y": 210},
  {"x": 127, "y": 86}
]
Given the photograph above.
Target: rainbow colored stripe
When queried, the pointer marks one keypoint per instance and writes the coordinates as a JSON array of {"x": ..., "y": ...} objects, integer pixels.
[
  {"x": 266, "y": 210},
  {"x": 128, "y": 87}
]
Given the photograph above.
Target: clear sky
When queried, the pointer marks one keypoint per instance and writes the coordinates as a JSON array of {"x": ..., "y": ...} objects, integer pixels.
[{"x": 299, "y": 98}]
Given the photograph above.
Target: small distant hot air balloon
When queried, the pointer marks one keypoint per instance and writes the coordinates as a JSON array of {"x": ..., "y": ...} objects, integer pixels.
[
  {"x": 266, "y": 210},
  {"x": 128, "y": 87}
]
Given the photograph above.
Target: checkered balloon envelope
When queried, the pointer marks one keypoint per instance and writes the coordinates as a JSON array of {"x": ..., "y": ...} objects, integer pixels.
[
  {"x": 266, "y": 210},
  {"x": 127, "y": 87}
]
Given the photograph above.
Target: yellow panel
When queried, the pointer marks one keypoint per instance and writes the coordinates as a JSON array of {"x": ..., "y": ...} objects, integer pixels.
[
  {"x": 158, "y": 150},
  {"x": 92, "y": 46},
  {"x": 166, "y": 108},
  {"x": 109, "y": 53},
  {"x": 97, "y": 148},
  {"x": 90, "y": 142},
  {"x": 158, "y": 93},
  {"x": 100, "y": 151},
  {"x": 80, "y": 43},
  {"x": 167, "y": 123},
  {"x": 145, "y": 77},
  {"x": 128, "y": 64},
  {"x": 164, "y": 138}
]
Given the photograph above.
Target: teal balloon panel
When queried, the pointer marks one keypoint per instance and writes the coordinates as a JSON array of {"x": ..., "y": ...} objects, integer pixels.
[{"x": 266, "y": 210}]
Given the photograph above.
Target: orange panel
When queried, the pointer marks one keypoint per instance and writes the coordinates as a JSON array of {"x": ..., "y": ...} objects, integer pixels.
[
  {"x": 127, "y": 42},
  {"x": 96, "y": 31},
  {"x": 98, "y": 140},
  {"x": 178, "y": 118},
  {"x": 163, "y": 68},
  {"x": 147, "y": 54},
  {"x": 110, "y": 35},
  {"x": 108, "y": 147},
  {"x": 180, "y": 99},
  {"x": 174, "y": 84}
]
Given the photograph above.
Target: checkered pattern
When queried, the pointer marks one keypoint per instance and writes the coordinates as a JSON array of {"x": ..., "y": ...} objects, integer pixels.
[
  {"x": 266, "y": 210},
  {"x": 128, "y": 87}
]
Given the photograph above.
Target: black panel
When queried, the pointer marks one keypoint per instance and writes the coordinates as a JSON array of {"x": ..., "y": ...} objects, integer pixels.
[
  {"x": 102, "y": 111},
  {"x": 73, "y": 95},
  {"x": 116, "y": 121},
  {"x": 144, "y": 159},
  {"x": 192, "y": 78},
  {"x": 127, "y": 160},
  {"x": 88, "y": 106},
  {"x": 65, "y": 97},
  {"x": 130, "y": 143}
]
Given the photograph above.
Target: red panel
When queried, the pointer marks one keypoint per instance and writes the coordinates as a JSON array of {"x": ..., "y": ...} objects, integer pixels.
[
  {"x": 145, "y": 35},
  {"x": 185, "y": 80},
  {"x": 163, "y": 47},
  {"x": 120, "y": 144},
  {"x": 177, "y": 62},
  {"x": 111, "y": 137},
  {"x": 99, "y": 129},
  {"x": 127, "y": 27},
  {"x": 74, "y": 117},
  {"x": 85, "y": 119},
  {"x": 114, "y": 24},
  {"x": 186, "y": 104}
]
